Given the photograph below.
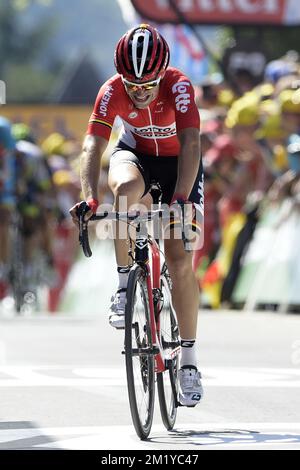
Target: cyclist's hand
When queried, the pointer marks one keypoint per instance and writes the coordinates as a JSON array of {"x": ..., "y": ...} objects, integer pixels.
[
  {"x": 179, "y": 204},
  {"x": 88, "y": 208},
  {"x": 185, "y": 212}
]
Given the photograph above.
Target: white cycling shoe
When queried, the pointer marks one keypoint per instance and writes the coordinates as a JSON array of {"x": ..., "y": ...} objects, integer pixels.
[
  {"x": 190, "y": 388},
  {"x": 117, "y": 309}
]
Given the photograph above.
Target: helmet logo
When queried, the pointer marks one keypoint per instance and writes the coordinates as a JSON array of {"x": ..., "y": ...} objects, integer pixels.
[{"x": 145, "y": 35}]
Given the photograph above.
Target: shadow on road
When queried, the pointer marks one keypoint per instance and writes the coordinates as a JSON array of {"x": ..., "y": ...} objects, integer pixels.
[
  {"x": 181, "y": 438},
  {"x": 12, "y": 431}
]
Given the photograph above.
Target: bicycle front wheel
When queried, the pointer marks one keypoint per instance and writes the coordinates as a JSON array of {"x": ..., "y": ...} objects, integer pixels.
[
  {"x": 139, "y": 353},
  {"x": 16, "y": 275},
  {"x": 167, "y": 382}
]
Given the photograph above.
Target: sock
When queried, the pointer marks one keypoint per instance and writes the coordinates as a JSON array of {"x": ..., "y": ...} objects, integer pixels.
[
  {"x": 188, "y": 352},
  {"x": 123, "y": 272}
]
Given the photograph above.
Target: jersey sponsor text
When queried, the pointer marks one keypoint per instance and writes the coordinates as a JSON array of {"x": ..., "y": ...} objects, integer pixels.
[
  {"x": 157, "y": 132},
  {"x": 182, "y": 100},
  {"x": 105, "y": 100}
]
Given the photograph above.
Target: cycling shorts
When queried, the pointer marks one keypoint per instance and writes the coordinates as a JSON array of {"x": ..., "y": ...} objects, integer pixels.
[{"x": 163, "y": 171}]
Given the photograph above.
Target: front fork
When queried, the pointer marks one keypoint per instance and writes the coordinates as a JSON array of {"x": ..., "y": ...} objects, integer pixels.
[
  {"x": 154, "y": 296},
  {"x": 153, "y": 283}
]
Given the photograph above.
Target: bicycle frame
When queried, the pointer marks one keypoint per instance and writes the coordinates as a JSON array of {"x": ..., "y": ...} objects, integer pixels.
[
  {"x": 142, "y": 245},
  {"x": 152, "y": 284}
]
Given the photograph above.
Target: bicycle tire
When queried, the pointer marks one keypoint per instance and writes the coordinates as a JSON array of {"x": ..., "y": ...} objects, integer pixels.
[
  {"x": 16, "y": 272},
  {"x": 167, "y": 381},
  {"x": 139, "y": 367}
]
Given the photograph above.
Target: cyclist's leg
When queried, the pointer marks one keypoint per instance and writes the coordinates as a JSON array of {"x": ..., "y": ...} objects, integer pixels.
[
  {"x": 185, "y": 292},
  {"x": 126, "y": 180}
]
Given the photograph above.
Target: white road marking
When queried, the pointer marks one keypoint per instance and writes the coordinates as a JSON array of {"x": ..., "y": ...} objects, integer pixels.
[
  {"x": 206, "y": 435},
  {"x": 90, "y": 376}
]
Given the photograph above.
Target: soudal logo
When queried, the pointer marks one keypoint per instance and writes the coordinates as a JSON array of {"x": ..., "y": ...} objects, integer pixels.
[
  {"x": 183, "y": 97},
  {"x": 105, "y": 100}
]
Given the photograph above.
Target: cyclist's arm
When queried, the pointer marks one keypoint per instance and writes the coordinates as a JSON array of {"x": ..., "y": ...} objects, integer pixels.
[
  {"x": 188, "y": 160},
  {"x": 93, "y": 149}
]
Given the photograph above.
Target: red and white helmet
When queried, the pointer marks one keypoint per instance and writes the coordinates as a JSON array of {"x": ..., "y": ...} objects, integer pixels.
[{"x": 142, "y": 54}]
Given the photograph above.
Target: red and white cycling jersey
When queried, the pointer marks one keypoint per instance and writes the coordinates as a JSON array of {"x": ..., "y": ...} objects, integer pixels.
[{"x": 153, "y": 130}]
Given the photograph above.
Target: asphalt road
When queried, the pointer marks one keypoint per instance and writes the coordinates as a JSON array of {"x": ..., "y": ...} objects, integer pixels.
[{"x": 63, "y": 385}]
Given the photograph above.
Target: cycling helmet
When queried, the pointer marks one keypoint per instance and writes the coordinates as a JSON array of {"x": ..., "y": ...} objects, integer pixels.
[
  {"x": 21, "y": 131},
  {"x": 289, "y": 101},
  {"x": 277, "y": 69},
  {"x": 142, "y": 54}
]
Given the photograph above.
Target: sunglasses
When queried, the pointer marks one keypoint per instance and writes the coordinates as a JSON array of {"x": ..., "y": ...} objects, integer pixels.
[{"x": 131, "y": 86}]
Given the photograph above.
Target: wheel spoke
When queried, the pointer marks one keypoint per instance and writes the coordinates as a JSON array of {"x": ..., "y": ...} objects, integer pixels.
[
  {"x": 139, "y": 366},
  {"x": 169, "y": 337}
]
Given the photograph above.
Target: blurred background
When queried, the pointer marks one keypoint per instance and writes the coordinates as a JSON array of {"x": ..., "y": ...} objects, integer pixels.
[{"x": 243, "y": 60}]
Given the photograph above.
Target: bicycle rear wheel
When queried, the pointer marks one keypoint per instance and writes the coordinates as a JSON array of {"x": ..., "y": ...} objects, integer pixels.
[
  {"x": 167, "y": 382},
  {"x": 139, "y": 353}
]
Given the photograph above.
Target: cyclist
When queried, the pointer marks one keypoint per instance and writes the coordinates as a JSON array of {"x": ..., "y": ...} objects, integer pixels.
[
  {"x": 36, "y": 203},
  {"x": 7, "y": 196},
  {"x": 159, "y": 142}
]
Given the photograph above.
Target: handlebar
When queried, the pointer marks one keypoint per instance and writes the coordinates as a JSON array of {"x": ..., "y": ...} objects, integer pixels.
[
  {"x": 83, "y": 208},
  {"x": 81, "y": 211}
]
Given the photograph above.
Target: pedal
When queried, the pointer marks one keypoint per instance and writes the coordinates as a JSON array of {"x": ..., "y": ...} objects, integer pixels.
[{"x": 144, "y": 351}]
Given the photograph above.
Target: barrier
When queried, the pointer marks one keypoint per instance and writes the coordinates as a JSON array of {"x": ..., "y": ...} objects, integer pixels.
[
  {"x": 69, "y": 120},
  {"x": 270, "y": 273}
]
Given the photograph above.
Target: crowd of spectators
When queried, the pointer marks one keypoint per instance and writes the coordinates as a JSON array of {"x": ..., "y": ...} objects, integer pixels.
[
  {"x": 250, "y": 143},
  {"x": 39, "y": 182}
]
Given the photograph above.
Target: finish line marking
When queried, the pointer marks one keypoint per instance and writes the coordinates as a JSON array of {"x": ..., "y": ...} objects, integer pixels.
[
  {"x": 91, "y": 376},
  {"x": 191, "y": 436}
]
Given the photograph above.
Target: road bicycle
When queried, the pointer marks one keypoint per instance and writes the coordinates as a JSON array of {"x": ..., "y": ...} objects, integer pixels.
[
  {"x": 16, "y": 272},
  {"x": 152, "y": 342},
  {"x": 23, "y": 285}
]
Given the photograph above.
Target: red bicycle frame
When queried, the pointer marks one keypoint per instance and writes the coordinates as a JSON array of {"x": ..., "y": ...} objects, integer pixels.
[
  {"x": 153, "y": 282},
  {"x": 153, "y": 276}
]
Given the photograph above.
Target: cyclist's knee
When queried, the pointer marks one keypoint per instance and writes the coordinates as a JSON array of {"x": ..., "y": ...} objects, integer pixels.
[
  {"x": 130, "y": 189},
  {"x": 179, "y": 269},
  {"x": 178, "y": 259}
]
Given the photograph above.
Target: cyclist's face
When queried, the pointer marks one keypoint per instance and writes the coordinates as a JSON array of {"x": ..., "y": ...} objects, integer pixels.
[{"x": 140, "y": 95}]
